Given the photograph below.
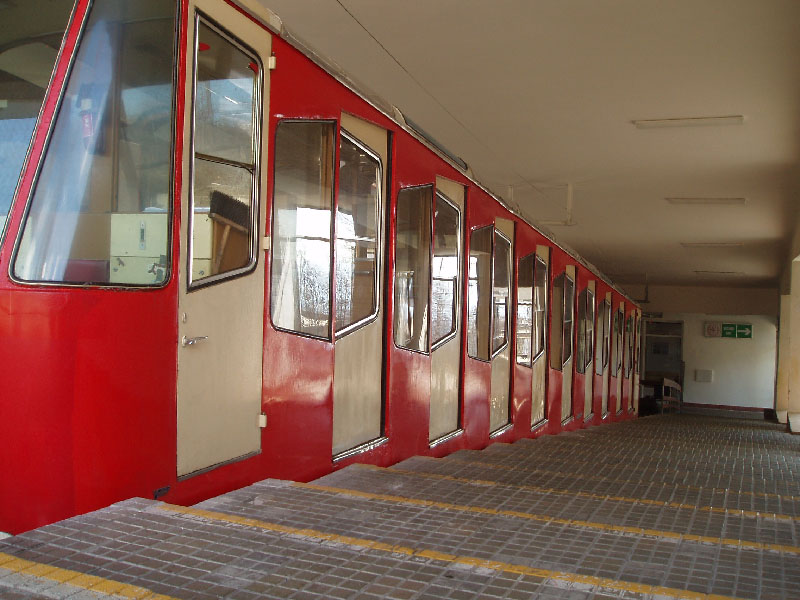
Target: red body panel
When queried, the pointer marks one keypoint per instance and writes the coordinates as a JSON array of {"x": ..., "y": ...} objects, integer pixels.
[{"x": 88, "y": 390}]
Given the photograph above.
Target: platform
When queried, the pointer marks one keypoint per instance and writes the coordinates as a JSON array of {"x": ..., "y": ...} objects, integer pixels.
[{"x": 679, "y": 506}]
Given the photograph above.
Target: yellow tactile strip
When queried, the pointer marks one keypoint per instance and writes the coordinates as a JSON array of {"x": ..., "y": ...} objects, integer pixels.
[
  {"x": 562, "y": 492},
  {"x": 11, "y": 563},
  {"x": 544, "y": 574},
  {"x": 652, "y": 533},
  {"x": 606, "y": 478}
]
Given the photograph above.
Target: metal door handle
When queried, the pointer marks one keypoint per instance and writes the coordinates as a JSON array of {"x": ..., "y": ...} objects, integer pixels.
[{"x": 192, "y": 341}]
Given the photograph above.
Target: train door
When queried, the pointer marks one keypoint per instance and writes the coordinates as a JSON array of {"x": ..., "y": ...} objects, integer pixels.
[
  {"x": 541, "y": 279},
  {"x": 502, "y": 267},
  {"x": 637, "y": 350},
  {"x": 627, "y": 363},
  {"x": 585, "y": 357},
  {"x": 221, "y": 298},
  {"x": 358, "y": 317},
  {"x": 603, "y": 352},
  {"x": 562, "y": 334},
  {"x": 617, "y": 340},
  {"x": 446, "y": 278}
]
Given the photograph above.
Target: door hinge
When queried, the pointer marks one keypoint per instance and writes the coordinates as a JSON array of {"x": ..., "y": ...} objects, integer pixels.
[
  {"x": 262, "y": 420},
  {"x": 272, "y": 63}
]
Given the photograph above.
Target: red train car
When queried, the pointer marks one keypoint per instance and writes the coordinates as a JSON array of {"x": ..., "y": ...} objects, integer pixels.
[{"x": 220, "y": 263}]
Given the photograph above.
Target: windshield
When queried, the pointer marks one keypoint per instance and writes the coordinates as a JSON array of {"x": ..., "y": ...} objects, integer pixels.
[{"x": 30, "y": 36}]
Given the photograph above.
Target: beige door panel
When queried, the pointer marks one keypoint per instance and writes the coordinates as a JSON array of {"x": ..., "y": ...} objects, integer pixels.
[
  {"x": 358, "y": 355},
  {"x": 446, "y": 358},
  {"x": 221, "y": 325}
]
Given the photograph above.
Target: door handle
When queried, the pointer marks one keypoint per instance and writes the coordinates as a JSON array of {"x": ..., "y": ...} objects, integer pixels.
[{"x": 192, "y": 341}]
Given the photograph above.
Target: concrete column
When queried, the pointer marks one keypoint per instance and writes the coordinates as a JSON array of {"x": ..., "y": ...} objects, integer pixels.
[
  {"x": 784, "y": 353},
  {"x": 794, "y": 350}
]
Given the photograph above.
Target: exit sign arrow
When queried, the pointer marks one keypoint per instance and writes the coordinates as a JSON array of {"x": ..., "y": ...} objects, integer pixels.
[{"x": 744, "y": 330}]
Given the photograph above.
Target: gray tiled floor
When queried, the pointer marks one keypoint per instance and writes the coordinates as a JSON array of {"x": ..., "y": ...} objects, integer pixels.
[{"x": 549, "y": 505}]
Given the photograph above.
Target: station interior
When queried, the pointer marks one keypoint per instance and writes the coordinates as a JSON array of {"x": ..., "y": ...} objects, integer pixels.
[{"x": 659, "y": 141}]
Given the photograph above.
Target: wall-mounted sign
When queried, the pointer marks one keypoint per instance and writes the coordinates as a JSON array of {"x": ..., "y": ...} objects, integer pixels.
[
  {"x": 737, "y": 330},
  {"x": 712, "y": 329}
]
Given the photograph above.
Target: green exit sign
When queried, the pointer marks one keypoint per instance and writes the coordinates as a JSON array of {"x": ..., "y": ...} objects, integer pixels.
[{"x": 737, "y": 330}]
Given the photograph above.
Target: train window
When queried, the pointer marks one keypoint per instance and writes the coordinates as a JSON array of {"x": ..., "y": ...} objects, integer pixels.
[
  {"x": 569, "y": 320},
  {"x": 301, "y": 227},
  {"x": 602, "y": 337},
  {"x": 446, "y": 265},
  {"x": 606, "y": 333},
  {"x": 28, "y": 52},
  {"x": 501, "y": 291},
  {"x": 357, "y": 227},
  {"x": 562, "y": 320},
  {"x": 580, "y": 349},
  {"x": 224, "y": 196},
  {"x": 585, "y": 348},
  {"x": 616, "y": 363},
  {"x": 540, "y": 278},
  {"x": 628, "y": 360},
  {"x": 413, "y": 268},
  {"x": 479, "y": 292},
  {"x": 525, "y": 310},
  {"x": 99, "y": 213}
]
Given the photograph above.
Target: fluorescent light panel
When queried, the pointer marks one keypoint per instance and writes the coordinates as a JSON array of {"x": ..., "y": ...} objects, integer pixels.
[
  {"x": 689, "y": 121},
  {"x": 712, "y": 244},
  {"x": 719, "y": 273},
  {"x": 700, "y": 201}
]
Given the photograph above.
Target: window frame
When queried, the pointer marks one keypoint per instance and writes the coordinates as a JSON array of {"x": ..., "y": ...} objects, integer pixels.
[
  {"x": 532, "y": 258},
  {"x": 545, "y": 329},
  {"x": 428, "y": 349},
  {"x": 472, "y": 232},
  {"x": 459, "y": 248},
  {"x": 510, "y": 267},
  {"x": 46, "y": 143},
  {"x": 256, "y": 141},
  {"x": 271, "y": 216},
  {"x": 565, "y": 360},
  {"x": 336, "y": 335}
]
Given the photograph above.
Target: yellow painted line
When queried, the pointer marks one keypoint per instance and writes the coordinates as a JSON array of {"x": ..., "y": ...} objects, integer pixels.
[
  {"x": 602, "y": 478},
  {"x": 603, "y": 582},
  {"x": 77, "y": 579},
  {"x": 656, "y": 533},
  {"x": 562, "y": 492}
]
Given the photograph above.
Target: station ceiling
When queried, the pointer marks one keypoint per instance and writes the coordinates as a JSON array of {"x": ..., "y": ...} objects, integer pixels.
[{"x": 539, "y": 97}]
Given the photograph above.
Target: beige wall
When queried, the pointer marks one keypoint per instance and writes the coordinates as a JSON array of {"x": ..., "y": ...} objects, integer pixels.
[{"x": 707, "y": 300}]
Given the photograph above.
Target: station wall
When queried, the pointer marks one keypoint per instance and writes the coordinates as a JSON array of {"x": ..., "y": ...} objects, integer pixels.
[{"x": 743, "y": 369}]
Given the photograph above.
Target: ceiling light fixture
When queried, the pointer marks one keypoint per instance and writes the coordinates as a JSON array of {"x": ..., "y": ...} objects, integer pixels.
[
  {"x": 712, "y": 244},
  {"x": 699, "y": 201},
  {"x": 719, "y": 273},
  {"x": 689, "y": 121}
]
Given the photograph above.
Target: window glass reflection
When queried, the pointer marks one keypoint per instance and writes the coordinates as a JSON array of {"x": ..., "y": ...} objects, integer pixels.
[
  {"x": 28, "y": 51},
  {"x": 412, "y": 268},
  {"x": 569, "y": 320},
  {"x": 541, "y": 278},
  {"x": 301, "y": 247},
  {"x": 446, "y": 261},
  {"x": 524, "y": 329},
  {"x": 501, "y": 291},
  {"x": 99, "y": 213},
  {"x": 223, "y": 224},
  {"x": 479, "y": 292},
  {"x": 357, "y": 222}
]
